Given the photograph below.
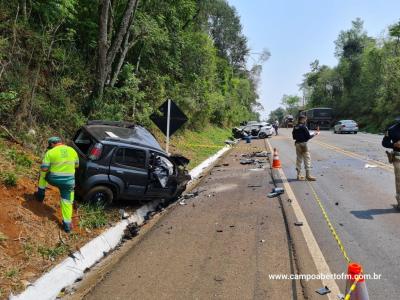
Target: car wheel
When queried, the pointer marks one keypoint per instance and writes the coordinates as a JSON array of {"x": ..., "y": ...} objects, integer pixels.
[
  {"x": 99, "y": 195},
  {"x": 262, "y": 135},
  {"x": 334, "y": 131},
  {"x": 355, "y": 132}
]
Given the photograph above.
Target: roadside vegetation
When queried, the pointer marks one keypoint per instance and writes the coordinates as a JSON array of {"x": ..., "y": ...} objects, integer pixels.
[
  {"x": 364, "y": 85},
  {"x": 31, "y": 229},
  {"x": 64, "y": 62}
]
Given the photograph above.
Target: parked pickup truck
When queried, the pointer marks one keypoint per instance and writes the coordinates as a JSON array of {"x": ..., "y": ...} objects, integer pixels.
[{"x": 123, "y": 160}]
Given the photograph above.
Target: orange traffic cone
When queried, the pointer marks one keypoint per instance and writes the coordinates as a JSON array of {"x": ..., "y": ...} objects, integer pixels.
[
  {"x": 276, "y": 163},
  {"x": 356, "y": 288}
]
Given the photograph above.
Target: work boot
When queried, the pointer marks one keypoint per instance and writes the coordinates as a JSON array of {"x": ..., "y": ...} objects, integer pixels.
[
  {"x": 309, "y": 177},
  {"x": 299, "y": 176},
  {"x": 67, "y": 227}
]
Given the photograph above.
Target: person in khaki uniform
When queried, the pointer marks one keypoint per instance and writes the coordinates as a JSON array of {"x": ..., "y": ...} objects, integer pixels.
[
  {"x": 301, "y": 135},
  {"x": 392, "y": 140}
]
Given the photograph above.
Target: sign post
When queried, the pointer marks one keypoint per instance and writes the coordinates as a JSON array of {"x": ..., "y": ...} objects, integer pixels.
[{"x": 168, "y": 124}]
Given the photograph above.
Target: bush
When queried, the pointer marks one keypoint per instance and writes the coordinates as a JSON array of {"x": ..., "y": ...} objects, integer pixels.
[{"x": 9, "y": 179}]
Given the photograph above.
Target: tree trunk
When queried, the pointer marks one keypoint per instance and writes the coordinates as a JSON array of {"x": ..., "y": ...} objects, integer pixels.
[
  {"x": 123, "y": 28},
  {"x": 101, "y": 72},
  {"x": 126, "y": 46},
  {"x": 107, "y": 52},
  {"x": 121, "y": 60},
  {"x": 23, "y": 9}
]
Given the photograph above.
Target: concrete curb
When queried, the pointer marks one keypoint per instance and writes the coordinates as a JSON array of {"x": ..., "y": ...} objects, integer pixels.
[{"x": 49, "y": 285}]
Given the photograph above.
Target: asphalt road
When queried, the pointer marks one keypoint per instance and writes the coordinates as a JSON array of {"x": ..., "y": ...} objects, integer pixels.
[
  {"x": 356, "y": 186},
  {"x": 222, "y": 244}
]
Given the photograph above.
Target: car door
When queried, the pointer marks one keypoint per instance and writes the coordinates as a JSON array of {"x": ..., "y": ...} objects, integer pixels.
[{"x": 131, "y": 166}]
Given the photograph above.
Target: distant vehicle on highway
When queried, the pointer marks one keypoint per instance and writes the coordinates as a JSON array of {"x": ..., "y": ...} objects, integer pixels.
[
  {"x": 288, "y": 121},
  {"x": 343, "y": 126},
  {"x": 321, "y": 117}
]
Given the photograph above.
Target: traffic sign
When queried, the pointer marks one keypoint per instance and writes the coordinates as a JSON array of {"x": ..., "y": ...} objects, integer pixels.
[
  {"x": 177, "y": 118},
  {"x": 169, "y": 120}
]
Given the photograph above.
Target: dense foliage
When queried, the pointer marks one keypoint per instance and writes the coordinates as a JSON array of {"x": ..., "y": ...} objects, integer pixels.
[
  {"x": 365, "y": 85},
  {"x": 64, "y": 61}
]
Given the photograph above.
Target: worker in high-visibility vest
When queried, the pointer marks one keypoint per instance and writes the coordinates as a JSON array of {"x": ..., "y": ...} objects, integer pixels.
[{"x": 58, "y": 169}]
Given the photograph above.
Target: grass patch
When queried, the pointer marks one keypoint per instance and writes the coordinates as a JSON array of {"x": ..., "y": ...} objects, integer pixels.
[
  {"x": 11, "y": 273},
  {"x": 28, "y": 248},
  {"x": 198, "y": 146},
  {"x": 20, "y": 159},
  {"x": 9, "y": 178},
  {"x": 92, "y": 216},
  {"x": 52, "y": 253}
]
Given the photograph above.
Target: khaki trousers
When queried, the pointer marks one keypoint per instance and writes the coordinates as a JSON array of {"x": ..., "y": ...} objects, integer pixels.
[
  {"x": 303, "y": 154},
  {"x": 396, "y": 165}
]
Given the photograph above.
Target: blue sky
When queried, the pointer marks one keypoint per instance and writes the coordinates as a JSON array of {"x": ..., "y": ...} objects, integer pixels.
[{"x": 299, "y": 31}]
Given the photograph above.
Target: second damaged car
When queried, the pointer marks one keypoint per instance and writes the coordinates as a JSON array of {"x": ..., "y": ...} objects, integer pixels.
[{"x": 124, "y": 160}]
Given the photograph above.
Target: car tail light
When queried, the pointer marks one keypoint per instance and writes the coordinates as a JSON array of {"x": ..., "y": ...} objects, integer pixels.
[{"x": 96, "y": 151}]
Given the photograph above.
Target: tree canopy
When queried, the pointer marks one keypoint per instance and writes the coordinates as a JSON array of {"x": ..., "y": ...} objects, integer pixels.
[{"x": 64, "y": 61}]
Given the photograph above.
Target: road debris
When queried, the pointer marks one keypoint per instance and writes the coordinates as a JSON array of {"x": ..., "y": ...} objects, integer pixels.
[
  {"x": 262, "y": 154},
  {"x": 367, "y": 166},
  {"x": 182, "y": 202},
  {"x": 323, "y": 291},
  {"x": 218, "y": 278},
  {"x": 247, "y": 161},
  {"x": 298, "y": 223},
  {"x": 276, "y": 192},
  {"x": 131, "y": 231},
  {"x": 123, "y": 214},
  {"x": 262, "y": 241}
]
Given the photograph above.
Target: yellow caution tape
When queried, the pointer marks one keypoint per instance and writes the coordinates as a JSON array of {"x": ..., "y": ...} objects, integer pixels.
[
  {"x": 203, "y": 146},
  {"x": 328, "y": 221},
  {"x": 352, "y": 289}
]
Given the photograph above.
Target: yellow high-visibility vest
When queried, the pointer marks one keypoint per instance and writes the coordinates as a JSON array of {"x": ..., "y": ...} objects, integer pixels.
[{"x": 61, "y": 160}]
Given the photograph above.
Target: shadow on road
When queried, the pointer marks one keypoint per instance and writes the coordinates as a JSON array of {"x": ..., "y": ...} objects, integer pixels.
[{"x": 370, "y": 213}]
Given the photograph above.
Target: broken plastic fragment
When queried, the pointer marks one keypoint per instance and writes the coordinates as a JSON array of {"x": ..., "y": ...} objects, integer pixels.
[{"x": 323, "y": 291}]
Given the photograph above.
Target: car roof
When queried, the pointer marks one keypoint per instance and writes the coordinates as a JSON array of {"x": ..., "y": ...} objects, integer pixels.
[
  {"x": 347, "y": 121},
  {"x": 136, "y": 135}
]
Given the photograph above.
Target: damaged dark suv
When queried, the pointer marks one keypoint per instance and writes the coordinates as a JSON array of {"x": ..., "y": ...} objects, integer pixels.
[{"x": 124, "y": 160}]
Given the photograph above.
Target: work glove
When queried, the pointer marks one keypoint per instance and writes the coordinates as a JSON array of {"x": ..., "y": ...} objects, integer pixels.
[{"x": 39, "y": 195}]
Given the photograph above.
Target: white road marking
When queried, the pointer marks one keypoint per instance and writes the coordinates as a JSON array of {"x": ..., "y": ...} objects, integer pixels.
[{"x": 313, "y": 247}]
